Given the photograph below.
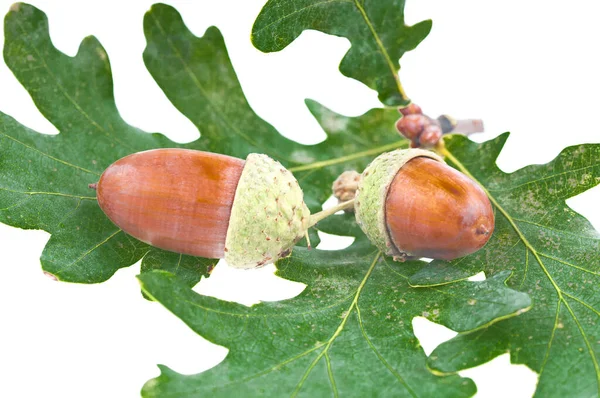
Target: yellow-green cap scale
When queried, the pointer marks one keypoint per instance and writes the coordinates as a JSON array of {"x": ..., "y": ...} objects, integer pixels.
[{"x": 268, "y": 215}]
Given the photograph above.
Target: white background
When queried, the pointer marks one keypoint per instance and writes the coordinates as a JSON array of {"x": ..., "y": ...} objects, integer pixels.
[{"x": 528, "y": 67}]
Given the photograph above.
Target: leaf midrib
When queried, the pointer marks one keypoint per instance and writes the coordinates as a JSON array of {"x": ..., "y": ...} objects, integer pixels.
[
  {"x": 382, "y": 50},
  {"x": 49, "y": 156},
  {"x": 378, "y": 42},
  {"x": 323, "y": 353},
  {"x": 339, "y": 330}
]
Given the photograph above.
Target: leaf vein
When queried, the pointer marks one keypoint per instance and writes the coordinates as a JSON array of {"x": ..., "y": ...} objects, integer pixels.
[
  {"x": 87, "y": 253},
  {"x": 269, "y": 315},
  {"x": 50, "y": 156},
  {"x": 353, "y": 306},
  {"x": 587, "y": 342},
  {"x": 382, "y": 50},
  {"x": 589, "y": 307},
  {"x": 554, "y": 328},
  {"x": 557, "y": 230},
  {"x": 297, "y": 12},
  {"x": 331, "y": 378},
  {"x": 559, "y": 291},
  {"x": 67, "y": 195},
  {"x": 512, "y": 188},
  {"x": 66, "y": 94},
  {"x": 380, "y": 357},
  {"x": 570, "y": 265}
]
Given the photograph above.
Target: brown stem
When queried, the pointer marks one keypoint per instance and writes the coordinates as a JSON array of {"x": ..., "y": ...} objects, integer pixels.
[{"x": 467, "y": 127}]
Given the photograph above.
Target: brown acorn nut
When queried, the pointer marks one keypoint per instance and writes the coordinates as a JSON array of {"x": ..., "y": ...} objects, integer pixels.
[
  {"x": 203, "y": 204},
  {"x": 411, "y": 204}
]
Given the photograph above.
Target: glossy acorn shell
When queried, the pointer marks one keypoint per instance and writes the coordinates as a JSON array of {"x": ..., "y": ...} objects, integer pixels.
[
  {"x": 174, "y": 199},
  {"x": 410, "y": 203},
  {"x": 434, "y": 211},
  {"x": 373, "y": 188}
]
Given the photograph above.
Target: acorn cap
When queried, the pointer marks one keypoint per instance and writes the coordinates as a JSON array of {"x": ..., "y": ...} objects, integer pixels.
[
  {"x": 372, "y": 192},
  {"x": 268, "y": 215}
]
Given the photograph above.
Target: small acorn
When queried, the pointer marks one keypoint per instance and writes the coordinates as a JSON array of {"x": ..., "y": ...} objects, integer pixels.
[
  {"x": 204, "y": 204},
  {"x": 411, "y": 204}
]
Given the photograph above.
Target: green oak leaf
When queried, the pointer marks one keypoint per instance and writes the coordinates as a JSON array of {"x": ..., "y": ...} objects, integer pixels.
[
  {"x": 44, "y": 179},
  {"x": 554, "y": 255},
  {"x": 188, "y": 268},
  {"x": 348, "y": 333},
  {"x": 185, "y": 67},
  {"x": 376, "y": 30}
]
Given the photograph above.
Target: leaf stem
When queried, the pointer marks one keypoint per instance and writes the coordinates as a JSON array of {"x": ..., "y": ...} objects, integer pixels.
[
  {"x": 315, "y": 218},
  {"x": 347, "y": 158}
]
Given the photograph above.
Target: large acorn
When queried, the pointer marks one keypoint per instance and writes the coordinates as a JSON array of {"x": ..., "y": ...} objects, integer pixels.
[
  {"x": 204, "y": 204},
  {"x": 411, "y": 204}
]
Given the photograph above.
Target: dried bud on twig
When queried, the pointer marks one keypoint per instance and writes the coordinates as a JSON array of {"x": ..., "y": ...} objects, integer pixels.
[
  {"x": 412, "y": 109},
  {"x": 423, "y": 131},
  {"x": 345, "y": 186},
  {"x": 411, "y": 126},
  {"x": 430, "y": 136}
]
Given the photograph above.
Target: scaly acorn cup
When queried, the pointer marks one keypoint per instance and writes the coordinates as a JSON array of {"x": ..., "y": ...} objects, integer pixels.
[
  {"x": 411, "y": 204},
  {"x": 204, "y": 204}
]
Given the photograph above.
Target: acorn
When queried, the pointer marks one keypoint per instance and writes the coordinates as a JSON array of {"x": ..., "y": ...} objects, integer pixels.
[
  {"x": 410, "y": 203},
  {"x": 204, "y": 204}
]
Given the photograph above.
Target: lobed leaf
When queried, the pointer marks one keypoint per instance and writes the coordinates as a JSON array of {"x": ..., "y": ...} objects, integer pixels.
[
  {"x": 44, "y": 179},
  {"x": 375, "y": 28},
  {"x": 44, "y": 183},
  {"x": 350, "y": 326},
  {"x": 352, "y": 323},
  {"x": 554, "y": 254}
]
